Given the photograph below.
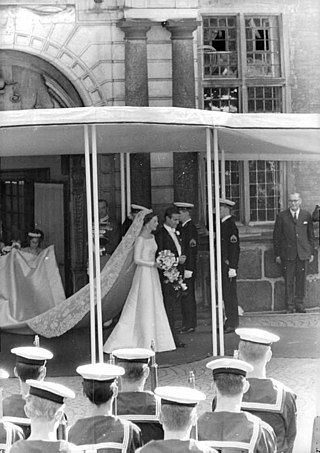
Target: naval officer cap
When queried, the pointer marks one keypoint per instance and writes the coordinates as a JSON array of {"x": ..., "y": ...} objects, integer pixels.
[
  {"x": 137, "y": 208},
  {"x": 51, "y": 391},
  {"x": 258, "y": 336},
  {"x": 137, "y": 355},
  {"x": 100, "y": 372},
  {"x": 183, "y": 206},
  {"x": 229, "y": 366},
  {"x": 225, "y": 202},
  {"x": 32, "y": 355},
  {"x": 179, "y": 396}
]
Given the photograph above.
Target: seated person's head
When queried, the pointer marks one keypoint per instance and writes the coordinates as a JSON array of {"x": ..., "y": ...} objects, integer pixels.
[
  {"x": 25, "y": 371},
  {"x": 229, "y": 377},
  {"x": 39, "y": 409},
  {"x": 228, "y": 384},
  {"x": 254, "y": 353},
  {"x": 134, "y": 372},
  {"x": 178, "y": 409},
  {"x": 45, "y": 402},
  {"x": 135, "y": 363},
  {"x": 99, "y": 382},
  {"x": 255, "y": 345},
  {"x": 99, "y": 392},
  {"x": 177, "y": 418},
  {"x": 31, "y": 362}
]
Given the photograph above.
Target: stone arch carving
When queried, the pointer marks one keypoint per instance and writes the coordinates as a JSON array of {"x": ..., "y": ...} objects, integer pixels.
[{"x": 27, "y": 81}]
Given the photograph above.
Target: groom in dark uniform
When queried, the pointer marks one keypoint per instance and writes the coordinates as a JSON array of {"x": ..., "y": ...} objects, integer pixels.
[
  {"x": 189, "y": 242},
  {"x": 167, "y": 239}
]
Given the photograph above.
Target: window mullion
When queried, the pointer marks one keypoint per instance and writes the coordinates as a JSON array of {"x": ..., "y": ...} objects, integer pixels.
[{"x": 243, "y": 101}]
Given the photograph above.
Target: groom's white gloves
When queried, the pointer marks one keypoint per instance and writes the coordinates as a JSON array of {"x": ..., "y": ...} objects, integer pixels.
[
  {"x": 188, "y": 274},
  {"x": 232, "y": 273}
]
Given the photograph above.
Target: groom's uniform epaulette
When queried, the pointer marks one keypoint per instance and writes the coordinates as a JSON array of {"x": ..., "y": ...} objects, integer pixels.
[
  {"x": 275, "y": 404},
  {"x": 142, "y": 409}
]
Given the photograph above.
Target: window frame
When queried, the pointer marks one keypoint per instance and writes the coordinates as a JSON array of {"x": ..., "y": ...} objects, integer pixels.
[{"x": 242, "y": 83}]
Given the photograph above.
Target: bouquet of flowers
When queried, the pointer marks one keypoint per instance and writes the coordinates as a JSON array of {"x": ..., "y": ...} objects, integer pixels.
[{"x": 168, "y": 263}]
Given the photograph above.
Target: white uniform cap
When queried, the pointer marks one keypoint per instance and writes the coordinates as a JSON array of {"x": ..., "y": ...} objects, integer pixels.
[
  {"x": 51, "y": 391},
  {"x": 257, "y": 336},
  {"x": 137, "y": 207},
  {"x": 32, "y": 355},
  {"x": 184, "y": 396},
  {"x": 3, "y": 374},
  {"x": 139, "y": 355},
  {"x": 230, "y": 366},
  {"x": 181, "y": 205},
  {"x": 224, "y": 201},
  {"x": 100, "y": 371}
]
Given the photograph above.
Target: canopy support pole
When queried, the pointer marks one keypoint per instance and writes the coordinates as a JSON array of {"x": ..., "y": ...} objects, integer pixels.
[
  {"x": 97, "y": 241},
  {"x": 223, "y": 175},
  {"x": 122, "y": 188},
  {"x": 218, "y": 238},
  {"x": 90, "y": 244},
  {"x": 128, "y": 183},
  {"x": 211, "y": 243}
]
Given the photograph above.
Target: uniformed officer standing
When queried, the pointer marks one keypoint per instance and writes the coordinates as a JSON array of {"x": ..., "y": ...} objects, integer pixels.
[
  {"x": 45, "y": 408},
  {"x": 177, "y": 415},
  {"x": 101, "y": 429},
  {"x": 30, "y": 364},
  {"x": 133, "y": 402},
  {"x": 228, "y": 427},
  {"x": 189, "y": 245},
  {"x": 230, "y": 252},
  {"x": 267, "y": 398}
]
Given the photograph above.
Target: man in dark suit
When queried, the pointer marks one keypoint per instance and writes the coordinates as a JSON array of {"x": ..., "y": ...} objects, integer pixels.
[
  {"x": 230, "y": 252},
  {"x": 293, "y": 239},
  {"x": 167, "y": 239},
  {"x": 189, "y": 242}
]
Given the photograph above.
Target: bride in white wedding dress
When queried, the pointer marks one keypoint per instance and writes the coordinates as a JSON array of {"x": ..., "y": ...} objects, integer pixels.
[{"x": 143, "y": 317}]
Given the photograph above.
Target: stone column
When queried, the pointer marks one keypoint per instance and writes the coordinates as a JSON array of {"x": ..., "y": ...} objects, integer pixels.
[
  {"x": 185, "y": 165},
  {"x": 136, "y": 94}
]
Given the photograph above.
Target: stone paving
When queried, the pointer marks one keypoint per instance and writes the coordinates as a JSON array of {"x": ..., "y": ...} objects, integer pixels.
[{"x": 299, "y": 374}]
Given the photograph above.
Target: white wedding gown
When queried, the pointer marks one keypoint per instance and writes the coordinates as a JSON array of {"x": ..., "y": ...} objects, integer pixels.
[{"x": 143, "y": 317}]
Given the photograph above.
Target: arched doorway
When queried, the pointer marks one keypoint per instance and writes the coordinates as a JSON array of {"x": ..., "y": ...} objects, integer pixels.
[{"x": 37, "y": 192}]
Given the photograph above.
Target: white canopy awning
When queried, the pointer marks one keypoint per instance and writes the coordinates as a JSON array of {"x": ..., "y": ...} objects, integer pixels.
[{"x": 164, "y": 129}]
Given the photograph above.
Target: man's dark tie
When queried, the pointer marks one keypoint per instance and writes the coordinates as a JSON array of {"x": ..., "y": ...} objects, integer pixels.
[{"x": 295, "y": 217}]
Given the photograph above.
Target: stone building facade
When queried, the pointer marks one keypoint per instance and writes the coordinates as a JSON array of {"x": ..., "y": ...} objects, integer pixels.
[{"x": 240, "y": 55}]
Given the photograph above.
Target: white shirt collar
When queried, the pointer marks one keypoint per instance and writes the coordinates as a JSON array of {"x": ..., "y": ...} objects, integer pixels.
[
  {"x": 169, "y": 229},
  {"x": 297, "y": 212},
  {"x": 226, "y": 218}
]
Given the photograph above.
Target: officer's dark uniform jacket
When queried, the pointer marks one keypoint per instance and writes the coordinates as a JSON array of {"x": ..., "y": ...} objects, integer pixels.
[
  {"x": 175, "y": 446},
  {"x": 236, "y": 431},
  {"x": 276, "y": 405},
  {"x": 189, "y": 242},
  {"x": 9, "y": 433},
  {"x": 106, "y": 434},
  {"x": 142, "y": 409},
  {"x": 230, "y": 244}
]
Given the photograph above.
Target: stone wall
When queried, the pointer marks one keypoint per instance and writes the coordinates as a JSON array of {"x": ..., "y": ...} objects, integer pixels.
[{"x": 260, "y": 283}]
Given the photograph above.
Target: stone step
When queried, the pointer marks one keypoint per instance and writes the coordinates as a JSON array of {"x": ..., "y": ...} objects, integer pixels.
[{"x": 281, "y": 319}]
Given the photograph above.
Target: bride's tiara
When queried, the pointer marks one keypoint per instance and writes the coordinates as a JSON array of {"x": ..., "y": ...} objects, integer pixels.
[{"x": 34, "y": 235}]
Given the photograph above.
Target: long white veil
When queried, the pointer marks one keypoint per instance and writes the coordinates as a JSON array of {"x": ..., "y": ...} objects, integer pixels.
[{"x": 116, "y": 279}]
